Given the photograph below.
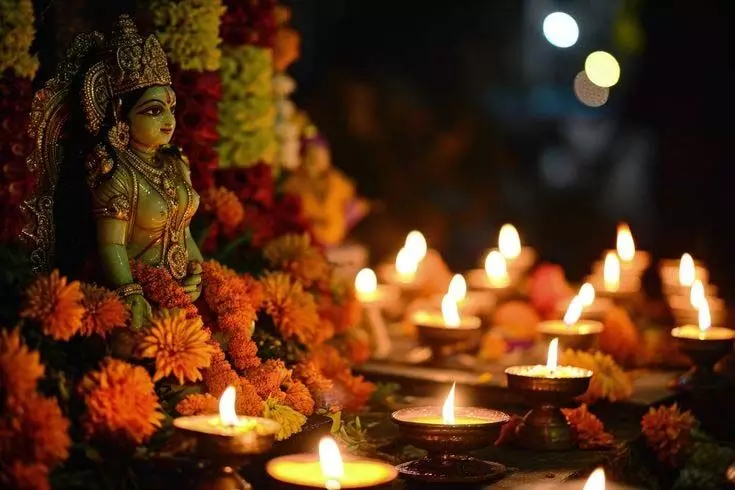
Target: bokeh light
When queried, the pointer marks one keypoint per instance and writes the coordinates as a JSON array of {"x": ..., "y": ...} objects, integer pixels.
[
  {"x": 561, "y": 29},
  {"x": 588, "y": 93},
  {"x": 602, "y": 69}
]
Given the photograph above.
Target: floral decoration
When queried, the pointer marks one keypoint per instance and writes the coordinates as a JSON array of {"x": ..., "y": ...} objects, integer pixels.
[
  {"x": 56, "y": 305},
  {"x": 589, "y": 432},
  {"x": 668, "y": 432},
  {"x": 17, "y": 32},
  {"x": 609, "y": 381}
]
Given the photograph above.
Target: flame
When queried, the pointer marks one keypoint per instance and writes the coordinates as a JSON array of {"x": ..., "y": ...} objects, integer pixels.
[
  {"x": 586, "y": 294},
  {"x": 227, "y": 414},
  {"x": 697, "y": 296},
  {"x": 509, "y": 242},
  {"x": 450, "y": 311},
  {"x": 406, "y": 263},
  {"x": 705, "y": 319},
  {"x": 687, "y": 272},
  {"x": 574, "y": 311},
  {"x": 611, "y": 272},
  {"x": 457, "y": 288},
  {"x": 496, "y": 269},
  {"x": 330, "y": 461},
  {"x": 596, "y": 481},
  {"x": 416, "y": 243},
  {"x": 366, "y": 282},
  {"x": 448, "y": 408},
  {"x": 625, "y": 243},
  {"x": 552, "y": 356}
]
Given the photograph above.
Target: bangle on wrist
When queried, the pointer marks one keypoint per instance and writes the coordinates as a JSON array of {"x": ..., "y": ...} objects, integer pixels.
[{"x": 129, "y": 289}]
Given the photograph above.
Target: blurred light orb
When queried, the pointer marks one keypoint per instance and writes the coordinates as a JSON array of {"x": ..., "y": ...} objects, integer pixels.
[
  {"x": 602, "y": 69},
  {"x": 561, "y": 29},
  {"x": 588, "y": 93}
]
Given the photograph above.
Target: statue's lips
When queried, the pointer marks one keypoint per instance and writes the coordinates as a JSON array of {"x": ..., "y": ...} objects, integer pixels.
[{"x": 167, "y": 131}]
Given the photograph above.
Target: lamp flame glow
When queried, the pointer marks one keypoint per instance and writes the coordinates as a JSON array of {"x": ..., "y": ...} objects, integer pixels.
[
  {"x": 553, "y": 355},
  {"x": 457, "y": 288},
  {"x": 416, "y": 243},
  {"x": 697, "y": 296},
  {"x": 596, "y": 481},
  {"x": 611, "y": 272},
  {"x": 509, "y": 242},
  {"x": 625, "y": 243},
  {"x": 406, "y": 264},
  {"x": 586, "y": 294},
  {"x": 496, "y": 269},
  {"x": 687, "y": 272},
  {"x": 330, "y": 461},
  {"x": 705, "y": 319},
  {"x": 574, "y": 311},
  {"x": 227, "y": 413},
  {"x": 450, "y": 311},
  {"x": 366, "y": 281},
  {"x": 448, "y": 408}
]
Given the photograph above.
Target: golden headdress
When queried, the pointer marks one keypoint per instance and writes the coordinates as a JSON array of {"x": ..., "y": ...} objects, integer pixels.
[{"x": 126, "y": 62}]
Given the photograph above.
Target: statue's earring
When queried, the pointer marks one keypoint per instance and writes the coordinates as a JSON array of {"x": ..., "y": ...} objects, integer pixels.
[{"x": 119, "y": 135}]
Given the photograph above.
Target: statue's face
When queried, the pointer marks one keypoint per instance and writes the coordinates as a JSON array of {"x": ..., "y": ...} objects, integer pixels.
[{"x": 152, "y": 120}]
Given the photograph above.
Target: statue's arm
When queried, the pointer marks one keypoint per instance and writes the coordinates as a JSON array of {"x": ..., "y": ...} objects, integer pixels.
[{"x": 113, "y": 253}]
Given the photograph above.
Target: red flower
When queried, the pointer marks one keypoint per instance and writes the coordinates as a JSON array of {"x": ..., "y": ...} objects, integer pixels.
[{"x": 252, "y": 22}]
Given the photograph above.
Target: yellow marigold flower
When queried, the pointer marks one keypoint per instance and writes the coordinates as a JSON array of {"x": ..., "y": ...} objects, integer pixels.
[
  {"x": 25, "y": 476},
  {"x": 42, "y": 431},
  {"x": 290, "y": 420},
  {"x": 668, "y": 432},
  {"x": 103, "y": 311},
  {"x": 56, "y": 305},
  {"x": 295, "y": 254},
  {"x": 609, "y": 381},
  {"x": 198, "y": 404},
  {"x": 122, "y": 405},
  {"x": 292, "y": 309},
  {"x": 589, "y": 432},
  {"x": 20, "y": 368},
  {"x": 180, "y": 345},
  {"x": 224, "y": 205}
]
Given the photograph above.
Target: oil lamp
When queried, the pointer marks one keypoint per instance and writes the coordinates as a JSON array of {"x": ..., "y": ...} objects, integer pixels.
[
  {"x": 678, "y": 276},
  {"x": 494, "y": 277},
  {"x": 631, "y": 260},
  {"x": 594, "y": 307},
  {"x": 447, "y": 332},
  {"x": 613, "y": 284},
  {"x": 571, "y": 332}
]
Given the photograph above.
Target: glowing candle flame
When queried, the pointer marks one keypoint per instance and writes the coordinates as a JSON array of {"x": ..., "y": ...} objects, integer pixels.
[
  {"x": 330, "y": 461},
  {"x": 366, "y": 282},
  {"x": 705, "y": 319},
  {"x": 509, "y": 242},
  {"x": 611, "y": 272},
  {"x": 450, "y": 311},
  {"x": 416, "y": 243},
  {"x": 596, "y": 481},
  {"x": 552, "y": 356},
  {"x": 697, "y": 296},
  {"x": 457, "y": 288},
  {"x": 574, "y": 311},
  {"x": 586, "y": 294},
  {"x": 687, "y": 272},
  {"x": 625, "y": 243},
  {"x": 227, "y": 414},
  {"x": 448, "y": 408},
  {"x": 496, "y": 269},
  {"x": 406, "y": 264}
]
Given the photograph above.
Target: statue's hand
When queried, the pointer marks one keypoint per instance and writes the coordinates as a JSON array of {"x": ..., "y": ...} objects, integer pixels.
[
  {"x": 192, "y": 284},
  {"x": 140, "y": 310}
]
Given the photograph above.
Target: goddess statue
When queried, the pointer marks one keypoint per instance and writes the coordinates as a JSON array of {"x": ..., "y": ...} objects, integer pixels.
[{"x": 105, "y": 122}]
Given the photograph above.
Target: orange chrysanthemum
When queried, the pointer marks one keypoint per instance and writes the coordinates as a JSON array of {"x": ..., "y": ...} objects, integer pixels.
[
  {"x": 224, "y": 205},
  {"x": 121, "y": 403},
  {"x": 160, "y": 287},
  {"x": 20, "y": 368},
  {"x": 180, "y": 345},
  {"x": 668, "y": 432},
  {"x": 41, "y": 431},
  {"x": 273, "y": 379},
  {"x": 103, "y": 311},
  {"x": 243, "y": 351},
  {"x": 56, "y": 305},
  {"x": 198, "y": 404},
  {"x": 292, "y": 309},
  {"x": 589, "y": 432},
  {"x": 21, "y": 475},
  {"x": 220, "y": 374},
  {"x": 609, "y": 381},
  {"x": 294, "y": 254},
  {"x": 234, "y": 299}
]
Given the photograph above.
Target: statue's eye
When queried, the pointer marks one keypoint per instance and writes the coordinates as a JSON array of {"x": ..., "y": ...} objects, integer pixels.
[
  {"x": 153, "y": 111},
  {"x": 173, "y": 109}
]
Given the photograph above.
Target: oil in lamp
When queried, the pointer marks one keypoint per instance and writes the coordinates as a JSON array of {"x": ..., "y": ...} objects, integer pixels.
[{"x": 572, "y": 332}]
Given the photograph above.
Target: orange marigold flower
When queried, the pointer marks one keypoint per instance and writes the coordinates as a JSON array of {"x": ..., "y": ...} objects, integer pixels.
[
  {"x": 198, "y": 404},
  {"x": 234, "y": 299},
  {"x": 224, "y": 205},
  {"x": 668, "y": 432},
  {"x": 121, "y": 403},
  {"x": 42, "y": 431},
  {"x": 180, "y": 345},
  {"x": 56, "y": 305},
  {"x": 356, "y": 391},
  {"x": 248, "y": 402},
  {"x": 273, "y": 379},
  {"x": 294, "y": 254},
  {"x": 609, "y": 381},
  {"x": 299, "y": 398},
  {"x": 103, "y": 311},
  {"x": 243, "y": 351},
  {"x": 20, "y": 367},
  {"x": 160, "y": 287},
  {"x": 589, "y": 432},
  {"x": 22, "y": 475},
  {"x": 292, "y": 309},
  {"x": 309, "y": 373}
]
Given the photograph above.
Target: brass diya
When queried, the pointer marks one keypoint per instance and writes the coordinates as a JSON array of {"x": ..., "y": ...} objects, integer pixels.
[
  {"x": 448, "y": 332},
  {"x": 544, "y": 427},
  {"x": 704, "y": 353},
  {"x": 448, "y": 445}
]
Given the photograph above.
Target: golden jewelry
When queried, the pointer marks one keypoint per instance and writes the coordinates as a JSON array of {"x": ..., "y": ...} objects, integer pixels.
[{"x": 129, "y": 290}]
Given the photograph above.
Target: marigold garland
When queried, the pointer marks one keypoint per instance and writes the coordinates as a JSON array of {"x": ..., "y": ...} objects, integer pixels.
[
  {"x": 121, "y": 403},
  {"x": 160, "y": 287},
  {"x": 248, "y": 402},
  {"x": 198, "y": 404},
  {"x": 234, "y": 299},
  {"x": 589, "y": 432},
  {"x": 56, "y": 305},
  {"x": 103, "y": 311},
  {"x": 20, "y": 368},
  {"x": 243, "y": 351},
  {"x": 220, "y": 374},
  {"x": 180, "y": 346},
  {"x": 609, "y": 381},
  {"x": 273, "y": 379},
  {"x": 668, "y": 432},
  {"x": 17, "y": 32},
  {"x": 295, "y": 254}
]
